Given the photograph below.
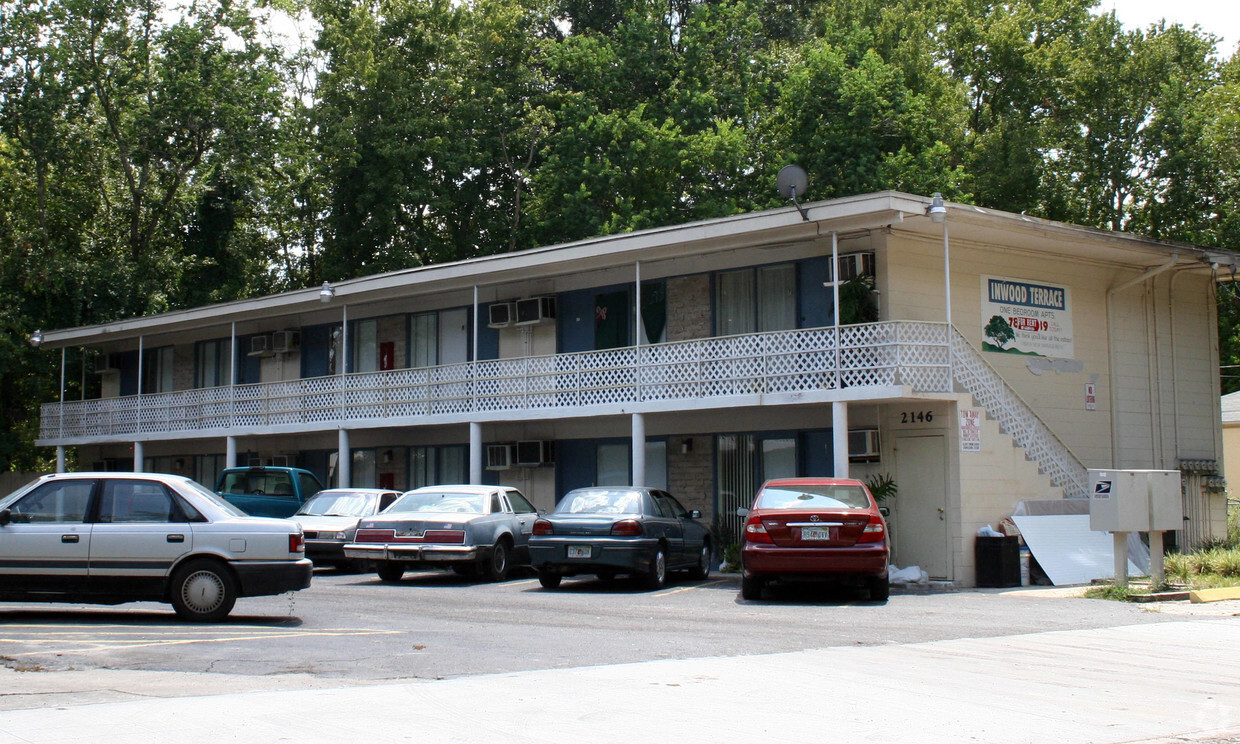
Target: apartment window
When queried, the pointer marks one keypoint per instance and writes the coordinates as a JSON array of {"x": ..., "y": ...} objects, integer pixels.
[
  {"x": 209, "y": 363},
  {"x": 157, "y": 370},
  {"x": 424, "y": 340},
  {"x": 433, "y": 466},
  {"x": 761, "y": 299},
  {"x": 365, "y": 346},
  {"x": 362, "y": 474}
]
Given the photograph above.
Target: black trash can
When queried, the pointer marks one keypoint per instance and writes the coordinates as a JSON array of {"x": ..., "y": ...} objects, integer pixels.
[{"x": 998, "y": 561}]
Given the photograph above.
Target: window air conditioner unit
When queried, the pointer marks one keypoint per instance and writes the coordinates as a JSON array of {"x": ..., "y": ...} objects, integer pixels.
[
  {"x": 106, "y": 364},
  {"x": 533, "y": 453},
  {"x": 863, "y": 445},
  {"x": 284, "y": 341},
  {"x": 534, "y": 310},
  {"x": 500, "y": 456},
  {"x": 500, "y": 314},
  {"x": 854, "y": 265},
  {"x": 261, "y": 345}
]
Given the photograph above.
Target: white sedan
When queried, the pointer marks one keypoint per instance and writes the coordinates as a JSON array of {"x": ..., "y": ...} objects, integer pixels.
[{"x": 108, "y": 538}]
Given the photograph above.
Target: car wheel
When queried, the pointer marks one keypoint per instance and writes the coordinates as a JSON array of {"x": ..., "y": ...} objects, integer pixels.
[
  {"x": 751, "y": 587},
  {"x": 656, "y": 577},
  {"x": 496, "y": 568},
  {"x": 203, "y": 592},
  {"x": 702, "y": 569},
  {"x": 391, "y": 570},
  {"x": 879, "y": 588},
  {"x": 549, "y": 580}
]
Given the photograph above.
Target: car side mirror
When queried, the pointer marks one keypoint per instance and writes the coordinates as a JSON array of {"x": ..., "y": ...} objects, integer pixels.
[
  {"x": 6, "y": 516},
  {"x": 742, "y": 512},
  {"x": 695, "y": 514},
  {"x": 884, "y": 511}
]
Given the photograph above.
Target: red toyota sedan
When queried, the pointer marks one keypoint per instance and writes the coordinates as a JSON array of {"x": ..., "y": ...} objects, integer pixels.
[{"x": 820, "y": 529}]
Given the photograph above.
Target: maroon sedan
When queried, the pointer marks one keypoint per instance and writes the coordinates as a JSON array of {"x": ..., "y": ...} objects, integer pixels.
[{"x": 824, "y": 529}]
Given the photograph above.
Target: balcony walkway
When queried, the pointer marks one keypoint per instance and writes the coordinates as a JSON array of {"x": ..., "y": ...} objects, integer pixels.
[{"x": 752, "y": 369}]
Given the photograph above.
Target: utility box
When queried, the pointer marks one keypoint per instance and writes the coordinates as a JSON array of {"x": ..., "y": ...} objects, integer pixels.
[{"x": 1135, "y": 500}]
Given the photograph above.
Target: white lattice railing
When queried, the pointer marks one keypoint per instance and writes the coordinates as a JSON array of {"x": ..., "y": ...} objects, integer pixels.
[
  {"x": 1018, "y": 419},
  {"x": 679, "y": 375}
]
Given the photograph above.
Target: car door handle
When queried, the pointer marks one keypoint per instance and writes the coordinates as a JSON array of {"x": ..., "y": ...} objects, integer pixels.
[
  {"x": 69, "y": 538},
  {"x": 176, "y": 538}
]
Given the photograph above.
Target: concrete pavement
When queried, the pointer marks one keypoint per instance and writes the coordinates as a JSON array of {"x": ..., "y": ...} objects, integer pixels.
[{"x": 1174, "y": 681}]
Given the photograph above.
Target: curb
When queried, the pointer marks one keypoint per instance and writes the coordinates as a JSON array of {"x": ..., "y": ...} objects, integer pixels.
[{"x": 1214, "y": 595}]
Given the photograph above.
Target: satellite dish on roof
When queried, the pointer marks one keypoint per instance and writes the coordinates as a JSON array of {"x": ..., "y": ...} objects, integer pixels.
[{"x": 792, "y": 181}]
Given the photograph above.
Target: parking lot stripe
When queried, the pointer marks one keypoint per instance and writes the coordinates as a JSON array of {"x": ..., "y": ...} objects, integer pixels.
[{"x": 679, "y": 589}]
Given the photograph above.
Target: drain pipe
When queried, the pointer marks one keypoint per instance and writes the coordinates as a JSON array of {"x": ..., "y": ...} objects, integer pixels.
[{"x": 1149, "y": 274}]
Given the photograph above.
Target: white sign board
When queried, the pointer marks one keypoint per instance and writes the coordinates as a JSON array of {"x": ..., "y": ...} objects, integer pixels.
[
  {"x": 1020, "y": 317},
  {"x": 970, "y": 430},
  {"x": 1067, "y": 550}
]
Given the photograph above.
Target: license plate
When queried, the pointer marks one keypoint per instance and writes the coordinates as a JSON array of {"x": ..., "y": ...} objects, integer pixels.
[
  {"x": 815, "y": 533},
  {"x": 578, "y": 551}
]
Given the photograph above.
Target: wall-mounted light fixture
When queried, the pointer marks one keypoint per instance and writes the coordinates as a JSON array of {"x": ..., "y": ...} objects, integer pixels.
[
  {"x": 36, "y": 338},
  {"x": 937, "y": 209},
  {"x": 326, "y": 293}
]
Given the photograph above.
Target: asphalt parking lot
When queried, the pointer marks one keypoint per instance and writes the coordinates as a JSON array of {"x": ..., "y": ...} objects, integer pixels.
[{"x": 354, "y": 629}]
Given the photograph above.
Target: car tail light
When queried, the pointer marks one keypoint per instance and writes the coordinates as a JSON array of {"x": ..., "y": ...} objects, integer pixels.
[
  {"x": 456, "y": 537},
  {"x": 543, "y": 527},
  {"x": 626, "y": 528},
  {"x": 875, "y": 531},
  {"x": 755, "y": 531},
  {"x": 296, "y": 543}
]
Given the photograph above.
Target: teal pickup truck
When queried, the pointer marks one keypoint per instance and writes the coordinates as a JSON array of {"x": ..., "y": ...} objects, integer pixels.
[{"x": 267, "y": 491}]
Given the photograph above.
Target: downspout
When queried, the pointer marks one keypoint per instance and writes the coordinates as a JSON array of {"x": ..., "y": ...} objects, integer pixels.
[{"x": 1175, "y": 257}]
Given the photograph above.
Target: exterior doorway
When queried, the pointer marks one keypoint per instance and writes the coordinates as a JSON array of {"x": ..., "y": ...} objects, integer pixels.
[{"x": 920, "y": 533}]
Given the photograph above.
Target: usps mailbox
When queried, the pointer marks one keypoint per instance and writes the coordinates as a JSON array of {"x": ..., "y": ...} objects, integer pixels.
[
  {"x": 1123, "y": 501},
  {"x": 1135, "y": 500}
]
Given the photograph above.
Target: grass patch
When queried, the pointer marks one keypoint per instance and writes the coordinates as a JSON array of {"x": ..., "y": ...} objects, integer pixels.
[
  {"x": 1212, "y": 567},
  {"x": 1109, "y": 591}
]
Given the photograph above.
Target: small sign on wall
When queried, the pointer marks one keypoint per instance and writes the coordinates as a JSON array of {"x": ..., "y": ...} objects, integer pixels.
[
  {"x": 1091, "y": 396},
  {"x": 970, "y": 430}
]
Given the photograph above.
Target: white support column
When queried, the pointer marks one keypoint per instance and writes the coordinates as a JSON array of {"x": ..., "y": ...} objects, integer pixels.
[
  {"x": 138, "y": 457},
  {"x": 344, "y": 462},
  {"x": 639, "y": 450},
  {"x": 1157, "y": 570},
  {"x": 60, "y": 459},
  {"x": 230, "y": 452},
  {"x": 839, "y": 437},
  {"x": 476, "y": 453}
]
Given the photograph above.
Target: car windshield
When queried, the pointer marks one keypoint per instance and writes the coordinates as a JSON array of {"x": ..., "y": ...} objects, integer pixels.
[
  {"x": 338, "y": 505},
  {"x": 601, "y": 502},
  {"x": 215, "y": 499},
  {"x": 813, "y": 497},
  {"x": 270, "y": 483},
  {"x": 440, "y": 501}
]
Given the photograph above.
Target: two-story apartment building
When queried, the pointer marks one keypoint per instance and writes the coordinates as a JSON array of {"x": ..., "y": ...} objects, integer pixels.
[{"x": 998, "y": 356}]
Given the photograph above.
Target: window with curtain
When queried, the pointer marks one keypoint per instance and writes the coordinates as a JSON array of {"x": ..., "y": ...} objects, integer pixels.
[
  {"x": 613, "y": 465},
  {"x": 777, "y": 298},
  {"x": 209, "y": 365},
  {"x": 762, "y": 299},
  {"x": 363, "y": 472},
  {"x": 157, "y": 370},
  {"x": 424, "y": 340},
  {"x": 734, "y": 302},
  {"x": 734, "y": 473},
  {"x": 365, "y": 346}
]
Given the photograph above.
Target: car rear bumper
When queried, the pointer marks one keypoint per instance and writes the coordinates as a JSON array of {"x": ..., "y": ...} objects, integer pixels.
[
  {"x": 325, "y": 551},
  {"x": 622, "y": 555},
  {"x": 771, "y": 560},
  {"x": 409, "y": 553},
  {"x": 262, "y": 578}
]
